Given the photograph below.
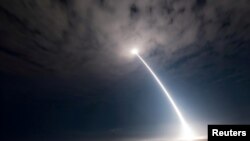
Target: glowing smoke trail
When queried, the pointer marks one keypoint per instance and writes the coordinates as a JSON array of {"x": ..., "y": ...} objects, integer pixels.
[
  {"x": 188, "y": 133},
  {"x": 164, "y": 89}
]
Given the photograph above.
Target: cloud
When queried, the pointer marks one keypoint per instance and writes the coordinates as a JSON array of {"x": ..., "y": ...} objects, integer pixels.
[{"x": 93, "y": 37}]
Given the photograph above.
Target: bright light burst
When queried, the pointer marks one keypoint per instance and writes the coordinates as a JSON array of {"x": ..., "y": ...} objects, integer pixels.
[
  {"x": 187, "y": 133},
  {"x": 134, "y": 51}
]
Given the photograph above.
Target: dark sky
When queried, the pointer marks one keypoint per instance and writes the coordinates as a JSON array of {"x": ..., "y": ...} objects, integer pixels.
[{"x": 66, "y": 72}]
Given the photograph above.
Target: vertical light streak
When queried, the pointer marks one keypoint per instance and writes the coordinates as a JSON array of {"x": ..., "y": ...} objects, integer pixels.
[
  {"x": 164, "y": 90},
  {"x": 187, "y": 133}
]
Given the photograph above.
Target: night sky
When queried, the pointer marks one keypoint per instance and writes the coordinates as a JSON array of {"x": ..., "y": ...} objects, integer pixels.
[{"x": 66, "y": 72}]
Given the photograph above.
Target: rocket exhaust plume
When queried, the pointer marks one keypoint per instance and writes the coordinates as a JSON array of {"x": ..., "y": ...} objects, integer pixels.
[{"x": 187, "y": 133}]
